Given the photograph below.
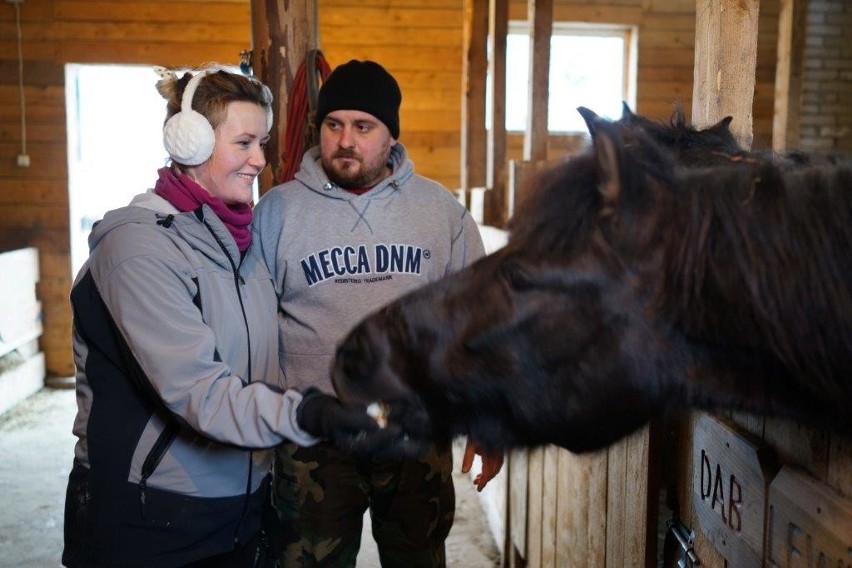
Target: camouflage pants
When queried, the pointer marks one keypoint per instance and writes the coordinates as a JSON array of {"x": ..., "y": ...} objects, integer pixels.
[{"x": 321, "y": 495}]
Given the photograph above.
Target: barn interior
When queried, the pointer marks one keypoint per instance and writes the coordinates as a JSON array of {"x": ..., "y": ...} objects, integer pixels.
[{"x": 781, "y": 68}]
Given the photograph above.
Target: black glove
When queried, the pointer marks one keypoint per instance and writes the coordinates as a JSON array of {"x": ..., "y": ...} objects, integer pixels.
[{"x": 351, "y": 429}]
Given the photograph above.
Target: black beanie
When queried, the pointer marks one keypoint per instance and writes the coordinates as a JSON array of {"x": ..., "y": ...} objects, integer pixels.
[{"x": 364, "y": 86}]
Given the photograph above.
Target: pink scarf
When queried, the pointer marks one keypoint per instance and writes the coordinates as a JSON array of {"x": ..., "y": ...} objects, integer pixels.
[{"x": 186, "y": 195}]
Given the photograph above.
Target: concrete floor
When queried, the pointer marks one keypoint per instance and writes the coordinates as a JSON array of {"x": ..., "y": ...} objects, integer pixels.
[{"x": 37, "y": 446}]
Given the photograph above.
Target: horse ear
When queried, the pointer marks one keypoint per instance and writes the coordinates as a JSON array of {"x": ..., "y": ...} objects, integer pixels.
[
  {"x": 607, "y": 147},
  {"x": 724, "y": 124},
  {"x": 590, "y": 117}
]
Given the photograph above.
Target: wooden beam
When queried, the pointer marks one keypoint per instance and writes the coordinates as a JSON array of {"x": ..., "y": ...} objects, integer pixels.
[
  {"x": 474, "y": 67},
  {"x": 281, "y": 37},
  {"x": 540, "y": 18},
  {"x": 725, "y": 62},
  {"x": 792, "y": 33},
  {"x": 496, "y": 198}
]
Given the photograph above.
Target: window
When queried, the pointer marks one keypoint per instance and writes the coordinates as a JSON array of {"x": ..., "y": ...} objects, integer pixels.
[{"x": 589, "y": 66}]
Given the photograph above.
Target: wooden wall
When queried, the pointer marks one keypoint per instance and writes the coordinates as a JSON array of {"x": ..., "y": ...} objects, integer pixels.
[
  {"x": 420, "y": 43},
  {"x": 34, "y": 200}
]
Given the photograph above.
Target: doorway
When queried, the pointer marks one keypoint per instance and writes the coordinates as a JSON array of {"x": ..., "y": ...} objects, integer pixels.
[{"x": 115, "y": 142}]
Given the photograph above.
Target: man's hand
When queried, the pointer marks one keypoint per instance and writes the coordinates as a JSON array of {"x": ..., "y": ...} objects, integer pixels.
[
  {"x": 352, "y": 430},
  {"x": 492, "y": 463}
]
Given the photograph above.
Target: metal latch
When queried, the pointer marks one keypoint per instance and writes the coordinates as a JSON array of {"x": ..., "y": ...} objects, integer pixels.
[{"x": 685, "y": 538}]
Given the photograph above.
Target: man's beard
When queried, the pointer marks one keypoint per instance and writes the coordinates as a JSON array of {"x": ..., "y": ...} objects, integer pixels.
[{"x": 348, "y": 178}]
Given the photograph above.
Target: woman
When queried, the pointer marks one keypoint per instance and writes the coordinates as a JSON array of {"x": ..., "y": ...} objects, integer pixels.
[{"x": 175, "y": 344}]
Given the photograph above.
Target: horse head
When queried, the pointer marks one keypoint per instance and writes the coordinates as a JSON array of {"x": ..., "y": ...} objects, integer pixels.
[
  {"x": 640, "y": 278},
  {"x": 544, "y": 341}
]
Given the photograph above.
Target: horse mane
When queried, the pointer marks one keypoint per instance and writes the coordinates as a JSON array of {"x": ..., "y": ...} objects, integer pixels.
[
  {"x": 770, "y": 240},
  {"x": 561, "y": 208},
  {"x": 757, "y": 246}
]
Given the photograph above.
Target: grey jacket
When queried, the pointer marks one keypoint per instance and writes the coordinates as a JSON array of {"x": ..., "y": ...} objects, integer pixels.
[{"x": 175, "y": 343}]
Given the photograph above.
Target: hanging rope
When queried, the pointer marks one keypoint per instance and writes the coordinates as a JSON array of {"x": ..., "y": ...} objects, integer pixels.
[{"x": 301, "y": 110}]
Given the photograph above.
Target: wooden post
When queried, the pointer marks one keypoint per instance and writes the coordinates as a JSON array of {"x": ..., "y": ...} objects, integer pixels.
[
  {"x": 725, "y": 63},
  {"x": 496, "y": 198},
  {"x": 540, "y": 21},
  {"x": 792, "y": 31},
  {"x": 474, "y": 66},
  {"x": 540, "y": 18},
  {"x": 282, "y": 34}
]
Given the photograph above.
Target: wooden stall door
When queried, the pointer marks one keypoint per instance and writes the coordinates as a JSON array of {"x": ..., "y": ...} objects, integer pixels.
[{"x": 596, "y": 509}]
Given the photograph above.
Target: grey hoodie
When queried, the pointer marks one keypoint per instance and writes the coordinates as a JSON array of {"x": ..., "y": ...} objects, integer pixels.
[{"x": 335, "y": 256}]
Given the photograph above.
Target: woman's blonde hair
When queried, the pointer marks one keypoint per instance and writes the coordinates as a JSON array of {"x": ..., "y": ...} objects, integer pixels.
[{"x": 215, "y": 91}]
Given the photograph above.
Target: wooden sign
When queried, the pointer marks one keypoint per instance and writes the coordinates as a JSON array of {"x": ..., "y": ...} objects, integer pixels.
[
  {"x": 731, "y": 472},
  {"x": 809, "y": 524}
]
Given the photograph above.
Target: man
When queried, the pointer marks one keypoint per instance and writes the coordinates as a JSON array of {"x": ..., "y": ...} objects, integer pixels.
[{"x": 356, "y": 229}]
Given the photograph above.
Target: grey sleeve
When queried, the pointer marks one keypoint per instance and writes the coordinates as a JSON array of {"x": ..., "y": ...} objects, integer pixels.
[
  {"x": 148, "y": 300},
  {"x": 467, "y": 244}
]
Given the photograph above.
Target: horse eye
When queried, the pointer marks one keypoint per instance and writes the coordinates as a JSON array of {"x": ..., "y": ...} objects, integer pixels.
[{"x": 517, "y": 276}]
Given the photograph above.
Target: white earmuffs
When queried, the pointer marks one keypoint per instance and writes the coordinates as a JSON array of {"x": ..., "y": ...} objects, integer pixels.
[{"x": 188, "y": 136}]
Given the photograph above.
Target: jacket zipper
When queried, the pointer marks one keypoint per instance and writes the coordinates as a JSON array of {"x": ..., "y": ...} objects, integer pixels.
[{"x": 238, "y": 280}]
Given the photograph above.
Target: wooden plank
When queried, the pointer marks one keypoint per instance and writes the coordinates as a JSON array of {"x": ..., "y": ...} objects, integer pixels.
[
  {"x": 18, "y": 383},
  {"x": 426, "y": 79},
  {"x": 533, "y": 551},
  {"x": 401, "y": 58},
  {"x": 731, "y": 473},
  {"x": 627, "y": 501},
  {"x": 549, "y": 506},
  {"x": 446, "y": 121},
  {"x": 19, "y": 275},
  {"x": 21, "y": 192},
  {"x": 434, "y": 99},
  {"x": 521, "y": 182},
  {"x": 659, "y": 89},
  {"x": 227, "y": 13},
  {"x": 789, "y": 75},
  {"x": 582, "y": 516},
  {"x": 708, "y": 555},
  {"x": 540, "y": 16},
  {"x": 408, "y": 19},
  {"x": 183, "y": 54},
  {"x": 796, "y": 443},
  {"x": 809, "y": 524},
  {"x": 839, "y": 474},
  {"x": 496, "y": 209},
  {"x": 518, "y": 500},
  {"x": 472, "y": 120},
  {"x": 19, "y": 326},
  {"x": 419, "y": 4},
  {"x": 177, "y": 32},
  {"x": 33, "y": 215},
  {"x": 725, "y": 59},
  {"x": 389, "y": 36},
  {"x": 584, "y": 12},
  {"x": 669, "y": 39}
]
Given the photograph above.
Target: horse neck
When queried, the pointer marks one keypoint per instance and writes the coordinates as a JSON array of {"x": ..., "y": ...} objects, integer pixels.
[{"x": 759, "y": 258}]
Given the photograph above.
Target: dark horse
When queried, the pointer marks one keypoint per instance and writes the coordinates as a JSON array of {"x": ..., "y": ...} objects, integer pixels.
[{"x": 660, "y": 270}]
